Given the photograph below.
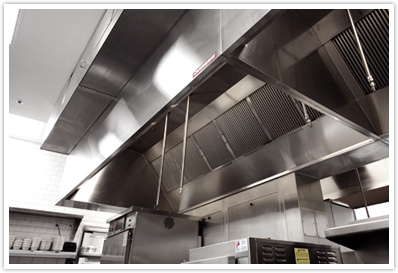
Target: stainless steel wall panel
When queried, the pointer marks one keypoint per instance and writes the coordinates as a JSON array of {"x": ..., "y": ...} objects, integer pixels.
[
  {"x": 277, "y": 111},
  {"x": 311, "y": 205},
  {"x": 257, "y": 218},
  {"x": 241, "y": 129},
  {"x": 321, "y": 222},
  {"x": 308, "y": 222},
  {"x": 291, "y": 205},
  {"x": 212, "y": 146},
  {"x": 213, "y": 229}
]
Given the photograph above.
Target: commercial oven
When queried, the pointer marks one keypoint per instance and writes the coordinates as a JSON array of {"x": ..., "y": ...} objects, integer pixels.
[{"x": 144, "y": 236}]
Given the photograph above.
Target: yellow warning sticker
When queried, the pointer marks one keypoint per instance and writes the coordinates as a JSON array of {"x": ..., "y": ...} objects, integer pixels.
[{"x": 302, "y": 255}]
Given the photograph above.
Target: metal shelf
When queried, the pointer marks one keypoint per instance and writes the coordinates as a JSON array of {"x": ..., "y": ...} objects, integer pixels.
[{"x": 42, "y": 254}]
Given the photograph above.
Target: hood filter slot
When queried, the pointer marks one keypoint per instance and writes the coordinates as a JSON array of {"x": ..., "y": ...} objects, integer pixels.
[
  {"x": 213, "y": 146},
  {"x": 195, "y": 164},
  {"x": 171, "y": 173},
  {"x": 241, "y": 129},
  {"x": 277, "y": 110},
  {"x": 373, "y": 32}
]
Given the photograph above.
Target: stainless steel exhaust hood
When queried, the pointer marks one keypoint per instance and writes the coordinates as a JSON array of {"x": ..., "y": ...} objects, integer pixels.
[{"x": 247, "y": 124}]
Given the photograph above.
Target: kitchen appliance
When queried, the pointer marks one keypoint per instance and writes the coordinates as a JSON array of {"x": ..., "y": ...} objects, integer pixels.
[
  {"x": 90, "y": 247},
  {"x": 149, "y": 237},
  {"x": 265, "y": 251}
]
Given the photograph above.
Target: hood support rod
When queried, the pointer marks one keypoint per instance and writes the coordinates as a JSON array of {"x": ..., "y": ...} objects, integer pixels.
[
  {"x": 184, "y": 145},
  {"x": 162, "y": 160},
  {"x": 365, "y": 64},
  {"x": 362, "y": 192},
  {"x": 306, "y": 115}
]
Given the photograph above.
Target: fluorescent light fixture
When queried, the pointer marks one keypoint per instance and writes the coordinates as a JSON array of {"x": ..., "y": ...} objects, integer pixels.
[{"x": 10, "y": 22}]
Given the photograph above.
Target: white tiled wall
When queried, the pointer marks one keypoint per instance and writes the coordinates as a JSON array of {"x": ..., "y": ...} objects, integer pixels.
[
  {"x": 33, "y": 177},
  {"x": 29, "y": 226}
]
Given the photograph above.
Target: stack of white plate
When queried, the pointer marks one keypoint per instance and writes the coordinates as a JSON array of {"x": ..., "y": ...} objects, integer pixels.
[
  {"x": 45, "y": 244},
  {"x": 17, "y": 243},
  {"x": 11, "y": 240},
  {"x": 58, "y": 243},
  {"x": 27, "y": 242},
  {"x": 35, "y": 243}
]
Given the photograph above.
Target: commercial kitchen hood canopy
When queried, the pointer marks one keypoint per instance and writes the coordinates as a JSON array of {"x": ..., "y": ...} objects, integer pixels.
[{"x": 247, "y": 95}]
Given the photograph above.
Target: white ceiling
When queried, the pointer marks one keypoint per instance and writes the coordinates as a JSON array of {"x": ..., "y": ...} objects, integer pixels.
[{"x": 46, "y": 47}]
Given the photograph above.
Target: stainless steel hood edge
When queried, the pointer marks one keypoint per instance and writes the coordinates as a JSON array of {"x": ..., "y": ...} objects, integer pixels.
[{"x": 104, "y": 28}]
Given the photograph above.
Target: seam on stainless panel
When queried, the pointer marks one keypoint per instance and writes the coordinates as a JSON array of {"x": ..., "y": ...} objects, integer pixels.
[
  {"x": 95, "y": 121},
  {"x": 202, "y": 153},
  {"x": 260, "y": 121},
  {"x": 224, "y": 139}
]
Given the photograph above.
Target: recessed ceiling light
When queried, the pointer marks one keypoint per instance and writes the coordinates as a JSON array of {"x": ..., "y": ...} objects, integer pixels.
[{"x": 20, "y": 101}]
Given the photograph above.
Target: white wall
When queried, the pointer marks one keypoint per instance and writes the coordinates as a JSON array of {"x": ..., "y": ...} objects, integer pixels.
[{"x": 33, "y": 177}]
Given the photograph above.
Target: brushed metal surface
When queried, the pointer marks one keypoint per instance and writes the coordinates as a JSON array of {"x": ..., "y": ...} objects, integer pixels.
[
  {"x": 238, "y": 25},
  {"x": 213, "y": 228},
  {"x": 134, "y": 37},
  {"x": 257, "y": 218},
  {"x": 153, "y": 243},
  {"x": 229, "y": 98},
  {"x": 165, "y": 74},
  {"x": 285, "y": 155},
  {"x": 303, "y": 65},
  {"x": 130, "y": 116},
  {"x": 373, "y": 176},
  {"x": 376, "y": 108},
  {"x": 308, "y": 222},
  {"x": 223, "y": 78},
  {"x": 126, "y": 181},
  {"x": 76, "y": 119},
  {"x": 338, "y": 215},
  {"x": 90, "y": 52}
]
